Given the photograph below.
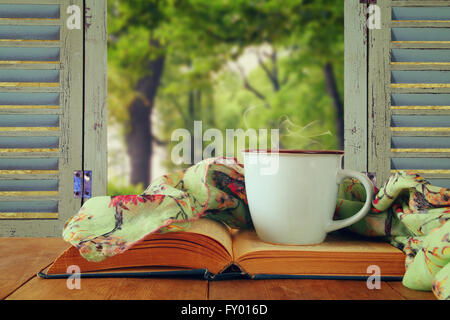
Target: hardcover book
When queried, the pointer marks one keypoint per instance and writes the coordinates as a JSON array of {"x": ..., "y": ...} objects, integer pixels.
[{"x": 212, "y": 250}]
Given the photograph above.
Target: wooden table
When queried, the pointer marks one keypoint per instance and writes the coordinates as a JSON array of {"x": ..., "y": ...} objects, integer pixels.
[{"x": 22, "y": 258}]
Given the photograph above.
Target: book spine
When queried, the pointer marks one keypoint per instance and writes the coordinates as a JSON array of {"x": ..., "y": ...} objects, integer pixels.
[
  {"x": 228, "y": 276},
  {"x": 194, "y": 273},
  {"x": 321, "y": 277}
]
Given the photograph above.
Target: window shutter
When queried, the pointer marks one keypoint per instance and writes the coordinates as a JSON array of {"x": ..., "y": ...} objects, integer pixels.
[
  {"x": 41, "y": 116},
  {"x": 409, "y": 90}
]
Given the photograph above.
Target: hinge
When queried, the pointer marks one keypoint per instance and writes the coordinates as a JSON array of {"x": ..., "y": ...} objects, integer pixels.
[
  {"x": 82, "y": 184},
  {"x": 368, "y": 1}
]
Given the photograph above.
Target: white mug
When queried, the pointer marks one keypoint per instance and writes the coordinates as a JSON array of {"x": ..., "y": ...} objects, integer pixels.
[{"x": 292, "y": 194}]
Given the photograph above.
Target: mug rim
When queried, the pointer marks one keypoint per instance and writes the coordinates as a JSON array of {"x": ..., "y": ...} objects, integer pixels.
[{"x": 293, "y": 151}]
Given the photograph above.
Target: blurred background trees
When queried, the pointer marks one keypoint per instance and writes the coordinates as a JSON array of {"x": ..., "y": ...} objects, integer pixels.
[{"x": 274, "y": 64}]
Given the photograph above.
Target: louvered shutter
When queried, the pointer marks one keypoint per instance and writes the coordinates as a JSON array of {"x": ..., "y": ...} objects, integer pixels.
[
  {"x": 41, "y": 116},
  {"x": 409, "y": 90}
]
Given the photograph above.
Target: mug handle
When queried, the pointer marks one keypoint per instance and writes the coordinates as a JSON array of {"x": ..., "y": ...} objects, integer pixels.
[{"x": 341, "y": 175}]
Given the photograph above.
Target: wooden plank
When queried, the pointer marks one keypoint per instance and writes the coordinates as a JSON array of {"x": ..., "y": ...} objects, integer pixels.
[
  {"x": 379, "y": 115},
  {"x": 410, "y": 294},
  {"x": 113, "y": 289},
  {"x": 355, "y": 96},
  {"x": 175, "y": 289},
  {"x": 295, "y": 289},
  {"x": 22, "y": 258},
  {"x": 95, "y": 111}
]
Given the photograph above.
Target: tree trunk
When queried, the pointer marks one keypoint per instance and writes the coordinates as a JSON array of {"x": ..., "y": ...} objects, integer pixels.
[
  {"x": 139, "y": 143},
  {"x": 331, "y": 86},
  {"x": 139, "y": 137}
]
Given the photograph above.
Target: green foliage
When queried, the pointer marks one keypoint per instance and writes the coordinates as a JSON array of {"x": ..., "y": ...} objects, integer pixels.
[
  {"x": 116, "y": 188},
  {"x": 201, "y": 38}
]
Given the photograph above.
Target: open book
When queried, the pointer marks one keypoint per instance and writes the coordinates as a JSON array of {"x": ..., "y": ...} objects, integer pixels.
[{"x": 212, "y": 250}]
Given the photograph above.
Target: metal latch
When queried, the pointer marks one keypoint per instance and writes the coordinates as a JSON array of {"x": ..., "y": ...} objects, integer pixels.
[{"x": 82, "y": 184}]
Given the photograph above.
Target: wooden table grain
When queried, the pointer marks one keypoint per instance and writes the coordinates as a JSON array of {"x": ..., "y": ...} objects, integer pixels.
[{"x": 22, "y": 258}]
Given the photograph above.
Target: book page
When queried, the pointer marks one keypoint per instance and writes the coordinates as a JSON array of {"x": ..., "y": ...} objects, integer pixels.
[
  {"x": 247, "y": 241},
  {"x": 206, "y": 244},
  {"x": 339, "y": 255},
  {"x": 215, "y": 230}
]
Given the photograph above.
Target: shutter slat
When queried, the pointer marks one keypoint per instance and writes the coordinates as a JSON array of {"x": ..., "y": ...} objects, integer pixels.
[
  {"x": 436, "y": 121},
  {"x": 420, "y": 142},
  {"x": 432, "y": 164},
  {"x": 414, "y": 66},
  {"x": 29, "y": 33},
  {"x": 421, "y": 44},
  {"x": 30, "y": 43},
  {"x": 444, "y": 183},
  {"x": 28, "y": 215},
  {"x": 29, "y": 209},
  {"x": 29, "y": 11},
  {"x": 420, "y": 13},
  {"x": 420, "y": 24},
  {"x": 437, "y": 81},
  {"x": 25, "y": 190},
  {"x": 30, "y": 176},
  {"x": 28, "y": 195},
  {"x": 420, "y": 3},
  {"x": 29, "y": 21},
  {"x": 418, "y": 110}
]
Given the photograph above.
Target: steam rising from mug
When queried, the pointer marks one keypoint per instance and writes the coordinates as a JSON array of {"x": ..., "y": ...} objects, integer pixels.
[{"x": 290, "y": 129}]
